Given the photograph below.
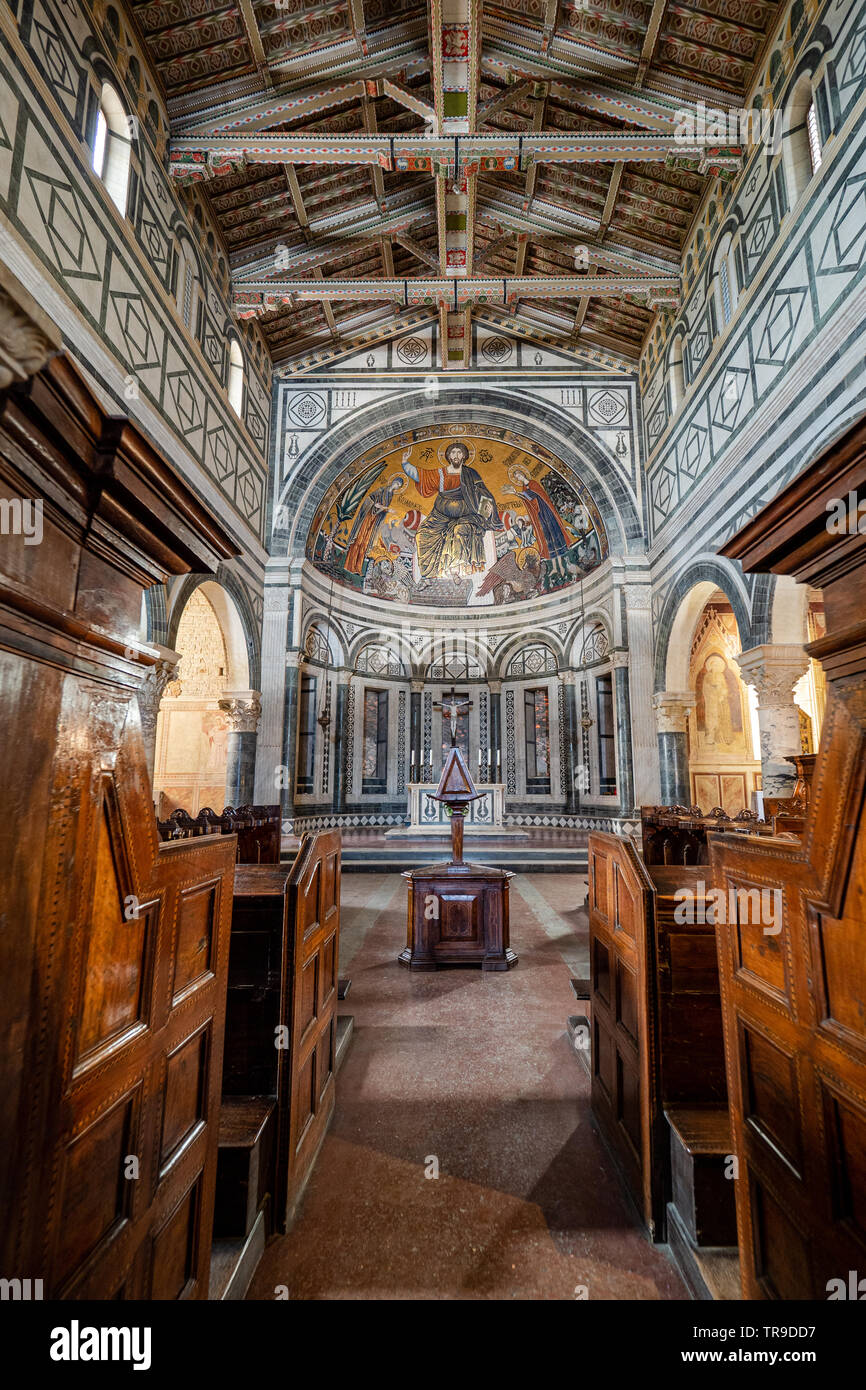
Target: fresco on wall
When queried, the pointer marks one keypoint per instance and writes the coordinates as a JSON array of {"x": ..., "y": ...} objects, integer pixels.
[{"x": 457, "y": 517}]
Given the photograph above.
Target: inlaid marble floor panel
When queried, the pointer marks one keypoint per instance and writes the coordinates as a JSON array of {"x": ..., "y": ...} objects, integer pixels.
[{"x": 470, "y": 1077}]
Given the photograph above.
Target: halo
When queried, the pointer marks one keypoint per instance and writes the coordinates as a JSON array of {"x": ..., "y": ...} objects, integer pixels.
[
  {"x": 519, "y": 468},
  {"x": 456, "y": 439},
  {"x": 523, "y": 555}
]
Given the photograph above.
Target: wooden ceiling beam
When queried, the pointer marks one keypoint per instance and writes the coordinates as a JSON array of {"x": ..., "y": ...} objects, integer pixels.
[{"x": 650, "y": 41}]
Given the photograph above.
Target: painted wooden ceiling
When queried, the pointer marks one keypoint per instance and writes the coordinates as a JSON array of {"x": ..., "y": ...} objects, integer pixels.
[{"x": 376, "y": 163}]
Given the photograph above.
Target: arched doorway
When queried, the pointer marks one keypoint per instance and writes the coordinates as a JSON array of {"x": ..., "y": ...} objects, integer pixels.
[
  {"x": 723, "y": 738},
  {"x": 192, "y": 732}
]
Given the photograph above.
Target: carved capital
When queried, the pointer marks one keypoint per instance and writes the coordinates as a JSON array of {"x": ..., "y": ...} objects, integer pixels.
[
  {"x": 637, "y": 596},
  {"x": 242, "y": 711},
  {"x": 417, "y": 687},
  {"x": 28, "y": 337},
  {"x": 773, "y": 669},
  {"x": 495, "y": 687},
  {"x": 672, "y": 710},
  {"x": 619, "y": 660},
  {"x": 152, "y": 688}
]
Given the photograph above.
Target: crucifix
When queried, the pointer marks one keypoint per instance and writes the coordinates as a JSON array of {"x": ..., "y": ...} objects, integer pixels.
[{"x": 453, "y": 706}]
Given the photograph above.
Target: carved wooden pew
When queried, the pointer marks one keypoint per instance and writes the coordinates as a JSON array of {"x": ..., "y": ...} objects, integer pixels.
[
  {"x": 114, "y": 974},
  {"x": 281, "y": 1020},
  {"x": 258, "y": 829},
  {"x": 794, "y": 999},
  {"x": 657, "y": 1059}
]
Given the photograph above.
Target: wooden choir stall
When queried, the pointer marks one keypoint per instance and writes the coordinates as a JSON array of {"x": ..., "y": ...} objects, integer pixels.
[
  {"x": 728, "y": 1057},
  {"x": 115, "y": 977}
]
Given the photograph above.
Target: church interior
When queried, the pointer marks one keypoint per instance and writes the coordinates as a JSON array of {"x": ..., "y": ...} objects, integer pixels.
[{"x": 433, "y": 656}]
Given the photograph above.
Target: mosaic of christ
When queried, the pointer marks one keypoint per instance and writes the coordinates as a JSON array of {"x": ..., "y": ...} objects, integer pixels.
[{"x": 456, "y": 518}]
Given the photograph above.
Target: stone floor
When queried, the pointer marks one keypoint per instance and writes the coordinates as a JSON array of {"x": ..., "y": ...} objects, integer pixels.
[{"x": 472, "y": 1076}]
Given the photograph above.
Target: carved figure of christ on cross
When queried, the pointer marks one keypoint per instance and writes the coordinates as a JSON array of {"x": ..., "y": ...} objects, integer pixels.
[{"x": 452, "y": 706}]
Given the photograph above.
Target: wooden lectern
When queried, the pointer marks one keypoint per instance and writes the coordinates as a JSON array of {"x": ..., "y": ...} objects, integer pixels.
[{"x": 458, "y": 912}]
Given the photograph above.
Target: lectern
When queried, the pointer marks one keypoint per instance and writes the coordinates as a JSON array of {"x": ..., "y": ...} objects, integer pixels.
[{"x": 457, "y": 912}]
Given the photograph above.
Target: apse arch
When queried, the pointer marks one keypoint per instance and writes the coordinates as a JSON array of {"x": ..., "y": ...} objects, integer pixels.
[
  {"x": 543, "y": 423},
  {"x": 681, "y": 610}
]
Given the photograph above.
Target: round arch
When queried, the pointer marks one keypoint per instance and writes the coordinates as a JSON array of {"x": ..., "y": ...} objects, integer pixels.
[
  {"x": 565, "y": 437},
  {"x": 680, "y": 613},
  {"x": 328, "y": 629},
  {"x": 232, "y": 606},
  {"x": 540, "y": 637}
]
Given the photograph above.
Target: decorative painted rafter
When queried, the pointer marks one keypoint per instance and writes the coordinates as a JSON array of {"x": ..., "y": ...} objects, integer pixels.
[
  {"x": 390, "y": 328},
  {"x": 208, "y": 156},
  {"x": 650, "y": 40},
  {"x": 454, "y": 294}
]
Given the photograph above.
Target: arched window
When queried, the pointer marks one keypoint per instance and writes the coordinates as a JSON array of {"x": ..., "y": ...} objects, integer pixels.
[
  {"x": 188, "y": 287},
  {"x": 801, "y": 145},
  {"x": 236, "y": 376},
  {"x": 111, "y": 147},
  {"x": 677, "y": 372},
  {"x": 726, "y": 280},
  {"x": 814, "y": 138}
]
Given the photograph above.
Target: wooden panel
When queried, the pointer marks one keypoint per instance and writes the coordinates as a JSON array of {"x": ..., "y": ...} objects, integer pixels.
[
  {"x": 108, "y": 1119},
  {"x": 625, "y": 1098},
  {"x": 794, "y": 1003},
  {"x": 314, "y": 907}
]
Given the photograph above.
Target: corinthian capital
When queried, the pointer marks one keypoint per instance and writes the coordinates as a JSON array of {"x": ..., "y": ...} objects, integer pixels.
[
  {"x": 672, "y": 710},
  {"x": 242, "y": 710},
  {"x": 773, "y": 669},
  {"x": 152, "y": 688},
  {"x": 28, "y": 337}
]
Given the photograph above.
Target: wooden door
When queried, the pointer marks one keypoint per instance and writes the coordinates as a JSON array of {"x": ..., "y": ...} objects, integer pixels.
[{"x": 315, "y": 910}]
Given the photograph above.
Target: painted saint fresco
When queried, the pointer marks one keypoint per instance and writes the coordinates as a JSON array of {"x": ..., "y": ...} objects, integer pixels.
[{"x": 457, "y": 517}]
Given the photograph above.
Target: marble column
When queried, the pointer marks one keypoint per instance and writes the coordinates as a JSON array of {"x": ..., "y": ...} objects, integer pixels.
[
  {"x": 622, "y": 711},
  {"x": 639, "y": 634},
  {"x": 275, "y": 643},
  {"x": 774, "y": 671},
  {"x": 341, "y": 746},
  {"x": 415, "y": 730},
  {"x": 571, "y": 742},
  {"x": 497, "y": 762},
  {"x": 672, "y": 712},
  {"x": 150, "y": 694},
  {"x": 242, "y": 708},
  {"x": 290, "y": 732}
]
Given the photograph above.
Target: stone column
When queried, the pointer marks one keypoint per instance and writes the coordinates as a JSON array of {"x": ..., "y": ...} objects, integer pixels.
[
  {"x": 242, "y": 708},
  {"x": 150, "y": 693},
  {"x": 774, "y": 671},
  {"x": 672, "y": 712},
  {"x": 275, "y": 643},
  {"x": 622, "y": 709},
  {"x": 497, "y": 762},
  {"x": 415, "y": 728},
  {"x": 290, "y": 732},
  {"x": 571, "y": 741},
  {"x": 639, "y": 634},
  {"x": 341, "y": 749}
]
